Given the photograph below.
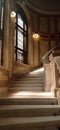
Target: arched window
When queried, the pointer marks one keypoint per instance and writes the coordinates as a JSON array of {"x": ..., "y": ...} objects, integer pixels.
[
  {"x": 21, "y": 36},
  {"x": 1, "y": 28}
]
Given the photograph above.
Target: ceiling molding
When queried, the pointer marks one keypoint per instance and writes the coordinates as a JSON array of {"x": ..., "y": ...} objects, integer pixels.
[{"x": 42, "y": 11}]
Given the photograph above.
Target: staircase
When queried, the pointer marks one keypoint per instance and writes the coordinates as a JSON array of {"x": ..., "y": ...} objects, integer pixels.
[
  {"x": 34, "y": 82},
  {"x": 29, "y": 114}
]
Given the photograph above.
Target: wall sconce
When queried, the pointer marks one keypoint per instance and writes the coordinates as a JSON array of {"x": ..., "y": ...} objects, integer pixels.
[
  {"x": 36, "y": 36},
  {"x": 13, "y": 14}
]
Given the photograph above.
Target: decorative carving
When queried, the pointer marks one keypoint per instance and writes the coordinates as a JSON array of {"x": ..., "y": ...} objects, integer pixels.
[{"x": 57, "y": 61}]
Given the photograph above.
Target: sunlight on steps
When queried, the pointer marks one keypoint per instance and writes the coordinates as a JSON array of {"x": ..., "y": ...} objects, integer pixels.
[
  {"x": 37, "y": 71},
  {"x": 29, "y": 85},
  {"x": 27, "y": 94}
]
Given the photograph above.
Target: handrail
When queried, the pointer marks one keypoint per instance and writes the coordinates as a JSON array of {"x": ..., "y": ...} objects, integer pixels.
[{"x": 46, "y": 56}]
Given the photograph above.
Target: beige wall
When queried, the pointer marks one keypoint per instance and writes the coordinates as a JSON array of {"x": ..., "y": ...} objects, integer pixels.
[
  {"x": 20, "y": 68},
  {"x": 47, "y": 26}
]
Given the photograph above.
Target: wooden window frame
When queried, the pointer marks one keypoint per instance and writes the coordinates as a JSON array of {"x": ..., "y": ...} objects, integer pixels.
[{"x": 24, "y": 33}]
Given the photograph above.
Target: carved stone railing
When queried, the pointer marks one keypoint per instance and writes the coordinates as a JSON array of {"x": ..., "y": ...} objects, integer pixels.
[
  {"x": 57, "y": 62},
  {"x": 53, "y": 51},
  {"x": 52, "y": 70}
]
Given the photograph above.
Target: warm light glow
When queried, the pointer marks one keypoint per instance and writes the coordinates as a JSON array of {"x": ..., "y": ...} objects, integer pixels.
[
  {"x": 32, "y": 94},
  {"x": 37, "y": 71},
  {"x": 13, "y": 14},
  {"x": 36, "y": 36}
]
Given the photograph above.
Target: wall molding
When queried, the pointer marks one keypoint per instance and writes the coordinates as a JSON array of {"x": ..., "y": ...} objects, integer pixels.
[{"x": 39, "y": 10}]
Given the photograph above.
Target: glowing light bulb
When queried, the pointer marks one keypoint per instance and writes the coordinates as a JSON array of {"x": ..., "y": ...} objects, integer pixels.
[
  {"x": 13, "y": 14},
  {"x": 36, "y": 36}
]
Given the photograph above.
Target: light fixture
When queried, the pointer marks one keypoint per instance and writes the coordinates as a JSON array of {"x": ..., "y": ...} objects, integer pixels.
[
  {"x": 13, "y": 14},
  {"x": 36, "y": 36}
]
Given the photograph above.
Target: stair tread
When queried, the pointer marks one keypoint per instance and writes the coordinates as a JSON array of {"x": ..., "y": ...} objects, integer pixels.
[
  {"x": 25, "y": 87},
  {"x": 28, "y": 81},
  {"x": 9, "y": 107},
  {"x": 30, "y": 100},
  {"x": 9, "y": 98},
  {"x": 28, "y": 120}
]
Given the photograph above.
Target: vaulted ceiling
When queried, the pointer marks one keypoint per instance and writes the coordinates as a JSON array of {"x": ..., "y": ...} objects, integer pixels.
[{"x": 46, "y": 6}]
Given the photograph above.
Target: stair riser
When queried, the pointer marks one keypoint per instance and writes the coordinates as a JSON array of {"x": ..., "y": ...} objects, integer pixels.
[
  {"x": 29, "y": 112},
  {"x": 27, "y": 85},
  {"x": 25, "y": 128},
  {"x": 25, "y": 91},
  {"x": 29, "y": 101},
  {"x": 31, "y": 75},
  {"x": 31, "y": 78},
  {"x": 28, "y": 82},
  {"x": 31, "y": 126}
]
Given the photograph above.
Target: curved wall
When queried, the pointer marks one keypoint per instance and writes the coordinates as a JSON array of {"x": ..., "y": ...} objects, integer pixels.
[
  {"x": 48, "y": 27},
  {"x": 44, "y": 6}
]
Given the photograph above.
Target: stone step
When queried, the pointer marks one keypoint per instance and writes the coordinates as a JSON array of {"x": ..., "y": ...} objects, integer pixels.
[
  {"x": 29, "y": 110},
  {"x": 29, "y": 79},
  {"x": 27, "y": 85},
  {"x": 29, "y": 101},
  {"x": 31, "y": 75},
  {"x": 28, "y": 82},
  {"x": 26, "y": 88},
  {"x": 29, "y": 123}
]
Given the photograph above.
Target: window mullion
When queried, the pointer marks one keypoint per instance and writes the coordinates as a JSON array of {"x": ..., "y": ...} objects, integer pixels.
[
  {"x": 16, "y": 36},
  {"x": 21, "y": 34}
]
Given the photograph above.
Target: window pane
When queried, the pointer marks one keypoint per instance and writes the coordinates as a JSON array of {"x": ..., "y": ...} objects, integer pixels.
[
  {"x": 21, "y": 35},
  {"x": 0, "y": 2},
  {"x": 1, "y": 14},
  {"x": 20, "y": 56},
  {"x": 24, "y": 43},
  {"x": 0, "y": 50},
  {"x": 1, "y": 28},
  {"x": 2, "y": 18},
  {"x": 15, "y": 38},
  {"x": 20, "y": 39},
  {"x": 20, "y": 21},
  {"x": 25, "y": 27}
]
